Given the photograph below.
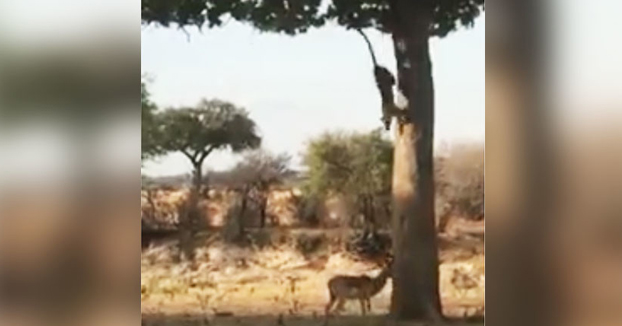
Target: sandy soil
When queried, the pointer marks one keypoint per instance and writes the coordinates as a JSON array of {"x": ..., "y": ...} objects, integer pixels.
[{"x": 280, "y": 280}]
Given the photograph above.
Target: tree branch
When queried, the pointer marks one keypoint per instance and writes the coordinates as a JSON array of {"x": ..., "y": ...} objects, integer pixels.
[
  {"x": 338, "y": 165},
  {"x": 206, "y": 153},
  {"x": 191, "y": 157}
]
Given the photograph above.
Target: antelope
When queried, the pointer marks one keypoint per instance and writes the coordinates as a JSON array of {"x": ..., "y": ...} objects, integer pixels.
[{"x": 342, "y": 288}]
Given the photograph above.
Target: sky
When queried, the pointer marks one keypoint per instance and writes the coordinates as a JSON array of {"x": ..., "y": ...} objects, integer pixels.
[{"x": 297, "y": 87}]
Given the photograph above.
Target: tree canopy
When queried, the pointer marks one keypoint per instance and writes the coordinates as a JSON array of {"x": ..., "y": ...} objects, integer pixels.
[
  {"x": 149, "y": 130},
  {"x": 349, "y": 163},
  {"x": 297, "y": 16},
  {"x": 212, "y": 125}
]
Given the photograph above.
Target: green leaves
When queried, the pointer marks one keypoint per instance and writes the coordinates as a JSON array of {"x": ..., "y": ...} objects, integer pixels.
[
  {"x": 149, "y": 132},
  {"x": 360, "y": 14},
  {"x": 449, "y": 15},
  {"x": 298, "y": 16},
  {"x": 281, "y": 16},
  {"x": 349, "y": 164},
  {"x": 211, "y": 125}
]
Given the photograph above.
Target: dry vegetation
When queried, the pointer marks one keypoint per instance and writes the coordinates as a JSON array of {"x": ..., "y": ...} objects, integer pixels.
[
  {"x": 283, "y": 271},
  {"x": 276, "y": 276}
]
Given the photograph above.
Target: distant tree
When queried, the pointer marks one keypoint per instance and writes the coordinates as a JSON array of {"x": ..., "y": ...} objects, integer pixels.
[
  {"x": 257, "y": 173},
  {"x": 196, "y": 132},
  {"x": 149, "y": 131},
  {"x": 355, "y": 165},
  {"x": 411, "y": 23},
  {"x": 460, "y": 183}
]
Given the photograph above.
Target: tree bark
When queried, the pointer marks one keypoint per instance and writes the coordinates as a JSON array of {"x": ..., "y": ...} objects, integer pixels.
[
  {"x": 415, "y": 276},
  {"x": 262, "y": 210},
  {"x": 193, "y": 219},
  {"x": 243, "y": 205},
  {"x": 370, "y": 213},
  {"x": 361, "y": 205},
  {"x": 197, "y": 179},
  {"x": 205, "y": 187}
]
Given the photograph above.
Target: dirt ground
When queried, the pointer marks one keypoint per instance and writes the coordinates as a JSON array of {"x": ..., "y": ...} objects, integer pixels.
[
  {"x": 230, "y": 285},
  {"x": 156, "y": 320}
]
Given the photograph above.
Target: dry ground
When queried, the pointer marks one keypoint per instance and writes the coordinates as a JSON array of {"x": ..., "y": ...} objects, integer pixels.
[
  {"x": 229, "y": 285},
  {"x": 157, "y": 320}
]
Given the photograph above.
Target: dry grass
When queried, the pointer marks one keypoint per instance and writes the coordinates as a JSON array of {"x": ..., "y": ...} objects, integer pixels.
[
  {"x": 157, "y": 320},
  {"x": 280, "y": 280}
]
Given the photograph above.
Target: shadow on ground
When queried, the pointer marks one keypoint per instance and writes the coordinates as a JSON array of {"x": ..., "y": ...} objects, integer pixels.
[{"x": 187, "y": 320}]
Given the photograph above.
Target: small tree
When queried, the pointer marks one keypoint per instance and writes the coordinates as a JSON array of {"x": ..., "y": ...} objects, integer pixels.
[
  {"x": 258, "y": 172},
  {"x": 196, "y": 132},
  {"x": 357, "y": 166}
]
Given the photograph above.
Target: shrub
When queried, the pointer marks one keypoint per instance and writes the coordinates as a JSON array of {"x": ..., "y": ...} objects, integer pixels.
[
  {"x": 460, "y": 182},
  {"x": 233, "y": 230},
  {"x": 368, "y": 245},
  {"x": 355, "y": 165},
  {"x": 309, "y": 244},
  {"x": 307, "y": 207}
]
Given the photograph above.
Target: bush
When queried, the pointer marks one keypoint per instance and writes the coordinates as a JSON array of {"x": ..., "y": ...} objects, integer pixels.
[
  {"x": 233, "y": 230},
  {"x": 307, "y": 207},
  {"x": 354, "y": 165},
  {"x": 309, "y": 244},
  {"x": 368, "y": 245},
  {"x": 460, "y": 182}
]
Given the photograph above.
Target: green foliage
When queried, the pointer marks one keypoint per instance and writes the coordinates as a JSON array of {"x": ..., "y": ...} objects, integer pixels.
[
  {"x": 297, "y": 16},
  {"x": 149, "y": 131},
  {"x": 309, "y": 244},
  {"x": 211, "y": 125},
  {"x": 349, "y": 163},
  {"x": 448, "y": 14}
]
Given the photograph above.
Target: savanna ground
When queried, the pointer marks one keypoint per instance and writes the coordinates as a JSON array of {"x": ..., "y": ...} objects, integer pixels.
[{"x": 282, "y": 275}]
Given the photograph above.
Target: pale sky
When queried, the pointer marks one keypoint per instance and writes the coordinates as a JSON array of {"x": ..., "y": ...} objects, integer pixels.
[{"x": 297, "y": 87}]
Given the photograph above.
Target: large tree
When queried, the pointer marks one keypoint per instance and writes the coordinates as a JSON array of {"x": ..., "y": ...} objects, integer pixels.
[
  {"x": 411, "y": 23},
  {"x": 198, "y": 131}
]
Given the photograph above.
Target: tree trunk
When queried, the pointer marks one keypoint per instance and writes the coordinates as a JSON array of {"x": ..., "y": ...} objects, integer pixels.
[
  {"x": 416, "y": 275},
  {"x": 243, "y": 205},
  {"x": 370, "y": 213},
  {"x": 193, "y": 214},
  {"x": 205, "y": 187},
  {"x": 262, "y": 210},
  {"x": 386, "y": 218},
  {"x": 197, "y": 179},
  {"x": 361, "y": 204}
]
